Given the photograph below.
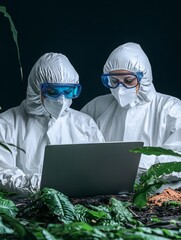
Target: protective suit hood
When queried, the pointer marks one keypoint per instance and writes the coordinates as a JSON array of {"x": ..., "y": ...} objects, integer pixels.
[
  {"x": 131, "y": 57},
  {"x": 31, "y": 127},
  {"x": 51, "y": 68},
  {"x": 155, "y": 120}
]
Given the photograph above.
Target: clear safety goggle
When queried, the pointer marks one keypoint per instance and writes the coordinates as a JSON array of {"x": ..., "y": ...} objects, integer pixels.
[
  {"x": 128, "y": 80},
  {"x": 55, "y": 90}
]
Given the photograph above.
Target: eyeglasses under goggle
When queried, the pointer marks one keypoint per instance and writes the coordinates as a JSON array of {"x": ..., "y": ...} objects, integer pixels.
[
  {"x": 128, "y": 80},
  {"x": 55, "y": 90}
]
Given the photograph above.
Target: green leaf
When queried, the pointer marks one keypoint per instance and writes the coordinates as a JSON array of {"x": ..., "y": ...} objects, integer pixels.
[
  {"x": 152, "y": 180},
  {"x": 140, "y": 197},
  {"x": 84, "y": 214},
  {"x": 80, "y": 213},
  {"x": 15, "y": 35},
  {"x": 8, "y": 207},
  {"x": 13, "y": 145},
  {"x": 38, "y": 232},
  {"x": 160, "y": 169},
  {"x": 5, "y": 229},
  {"x": 119, "y": 212},
  {"x": 4, "y": 146},
  {"x": 155, "y": 151},
  {"x": 76, "y": 230},
  {"x": 4, "y": 193},
  {"x": 58, "y": 204},
  {"x": 19, "y": 229}
]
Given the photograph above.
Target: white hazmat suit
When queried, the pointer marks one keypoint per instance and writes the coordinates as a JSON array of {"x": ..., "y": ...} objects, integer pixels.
[
  {"x": 30, "y": 126},
  {"x": 149, "y": 116}
]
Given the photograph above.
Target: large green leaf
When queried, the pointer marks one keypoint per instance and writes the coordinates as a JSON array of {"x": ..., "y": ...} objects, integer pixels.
[
  {"x": 58, "y": 204},
  {"x": 84, "y": 231},
  {"x": 4, "y": 193},
  {"x": 160, "y": 169},
  {"x": 18, "y": 228},
  {"x": 152, "y": 179},
  {"x": 84, "y": 214},
  {"x": 15, "y": 35},
  {"x": 119, "y": 212},
  {"x": 5, "y": 229},
  {"x": 155, "y": 151},
  {"x": 140, "y": 196},
  {"x": 76, "y": 231},
  {"x": 146, "y": 233},
  {"x": 8, "y": 207},
  {"x": 38, "y": 232}
]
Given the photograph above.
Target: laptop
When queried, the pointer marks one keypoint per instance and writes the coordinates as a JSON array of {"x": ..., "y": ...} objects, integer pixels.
[{"x": 91, "y": 169}]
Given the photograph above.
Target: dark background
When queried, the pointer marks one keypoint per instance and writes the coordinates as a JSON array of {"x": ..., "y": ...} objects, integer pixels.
[{"x": 87, "y": 32}]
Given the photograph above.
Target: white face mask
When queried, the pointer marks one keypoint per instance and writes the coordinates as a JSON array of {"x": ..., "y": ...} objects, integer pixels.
[
  {"x": 123, "y": 95},
  {"x": 55, "y": 107}
]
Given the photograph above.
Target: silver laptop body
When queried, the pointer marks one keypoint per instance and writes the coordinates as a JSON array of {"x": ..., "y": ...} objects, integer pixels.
[{"x": 90, "y": 169}]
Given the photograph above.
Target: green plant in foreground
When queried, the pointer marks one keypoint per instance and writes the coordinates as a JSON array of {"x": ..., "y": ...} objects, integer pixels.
[
  {"x": 152, "y": 179},
  {"x": 121, "y": 222}
]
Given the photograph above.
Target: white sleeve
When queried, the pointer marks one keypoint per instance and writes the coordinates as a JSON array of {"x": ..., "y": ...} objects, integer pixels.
[{"x": 13, "y": 179}]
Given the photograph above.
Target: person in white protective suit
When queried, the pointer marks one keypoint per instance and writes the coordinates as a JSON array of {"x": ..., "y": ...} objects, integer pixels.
[
  {"x": 43, "y": 118},
  {"x": 134, "y": 111}
]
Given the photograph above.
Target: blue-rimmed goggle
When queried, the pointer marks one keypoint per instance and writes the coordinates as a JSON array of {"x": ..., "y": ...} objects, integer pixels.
[
  {"x": 55, "y": 90},
  {"x": 128, "y": 80}
]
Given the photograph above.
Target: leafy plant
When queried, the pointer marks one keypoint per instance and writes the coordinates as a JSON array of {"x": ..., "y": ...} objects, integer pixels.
[
  {"x": 122, "y": 224},
  {"x": 152, "y": 179},
  {"x": 51, "y": 203},
  {"x": 8, "y": 207},
  {"x": 11, "y": 226}
]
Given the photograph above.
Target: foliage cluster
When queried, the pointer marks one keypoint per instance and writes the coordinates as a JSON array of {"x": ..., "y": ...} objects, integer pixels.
[{"x": 50, "y": 215}]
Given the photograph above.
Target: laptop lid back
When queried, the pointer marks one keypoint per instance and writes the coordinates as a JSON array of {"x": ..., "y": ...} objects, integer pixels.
[{"x": 90, "y": 169}]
